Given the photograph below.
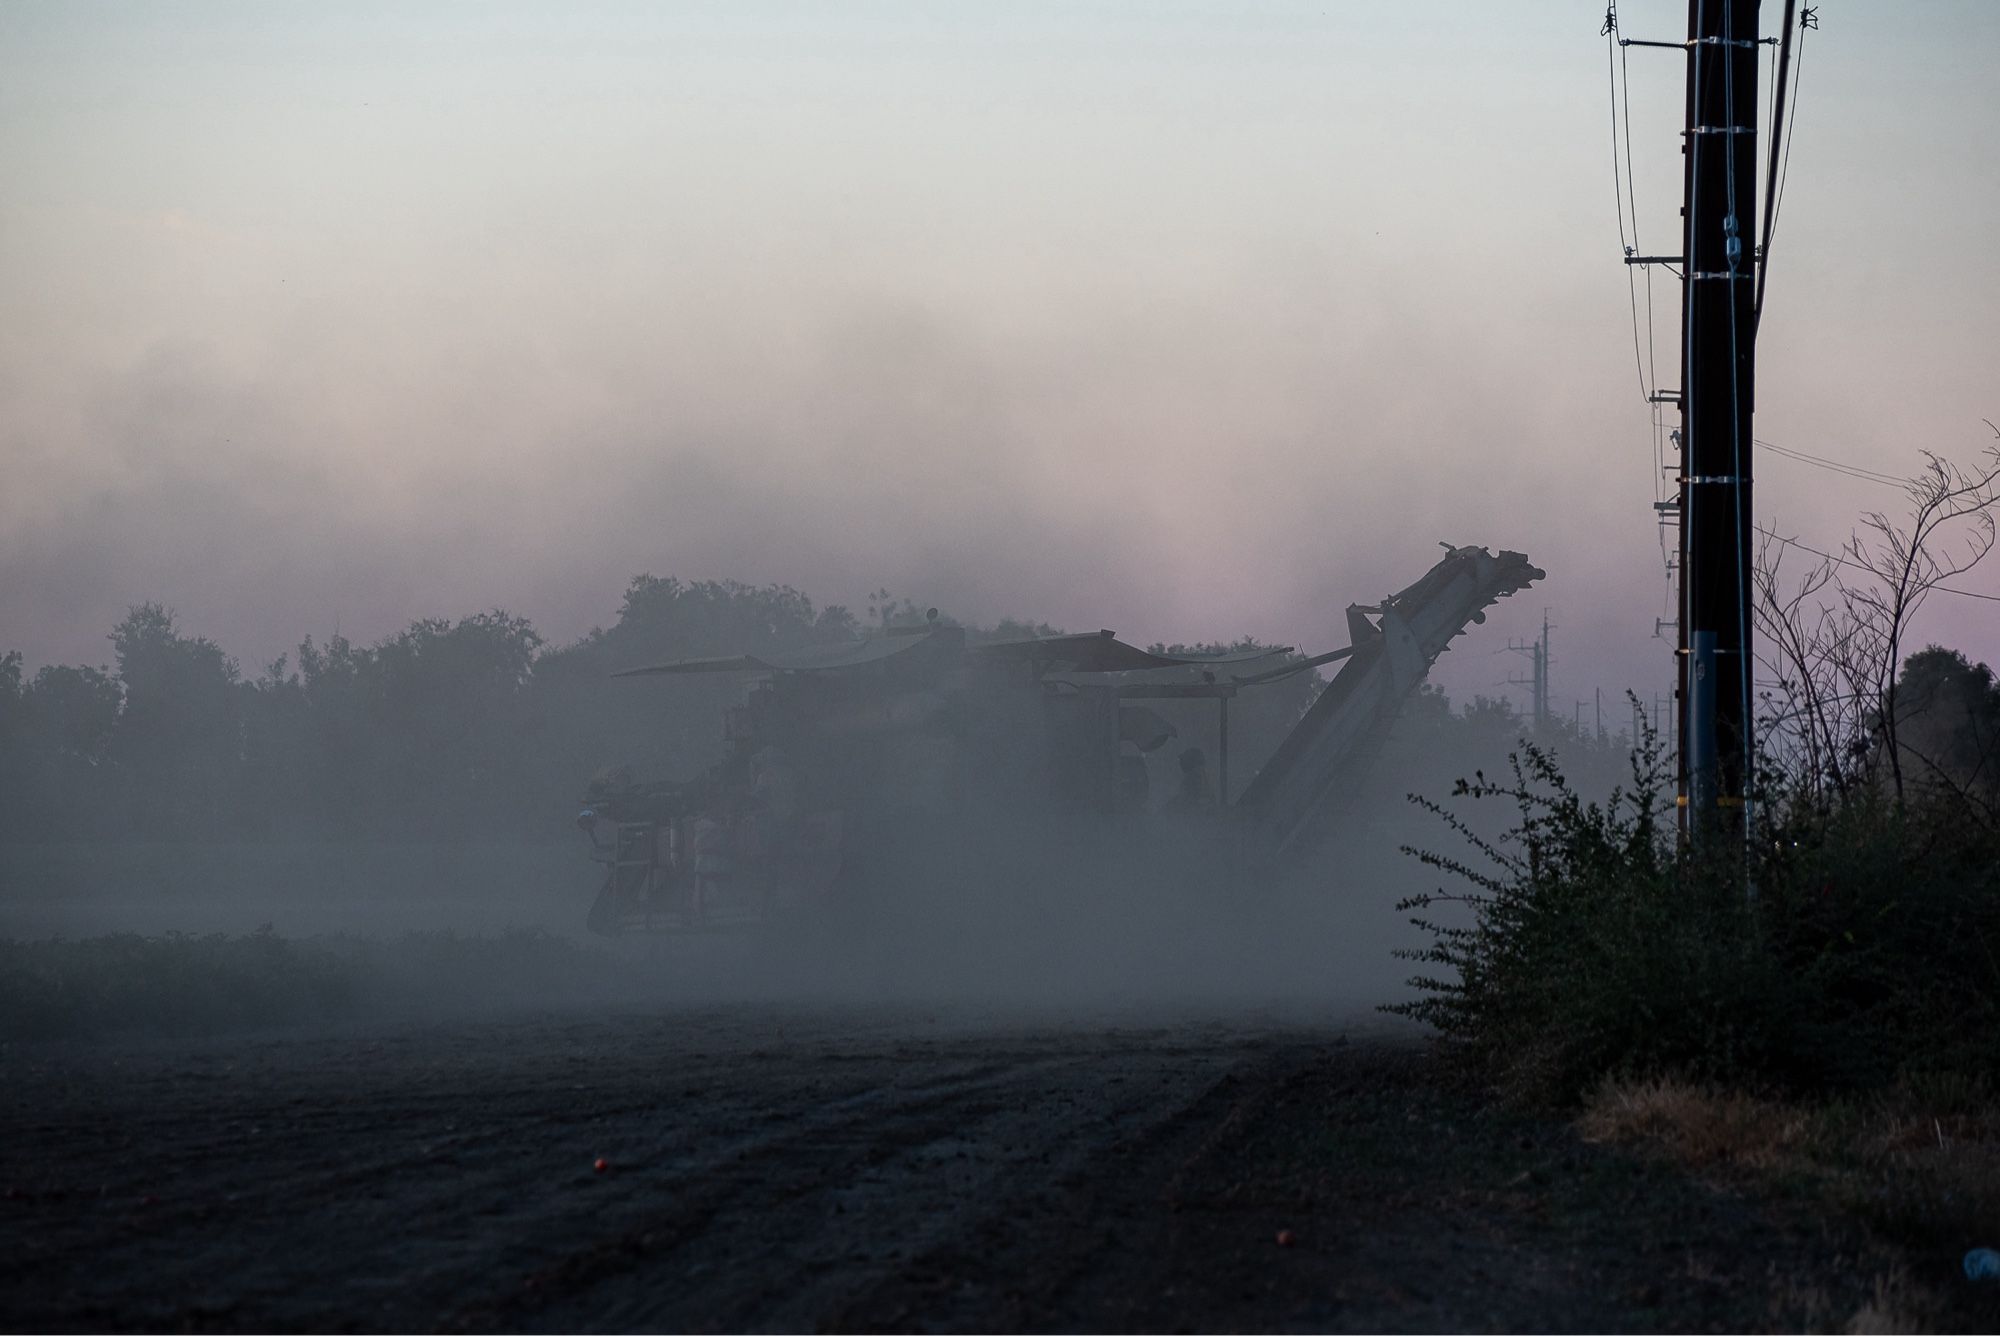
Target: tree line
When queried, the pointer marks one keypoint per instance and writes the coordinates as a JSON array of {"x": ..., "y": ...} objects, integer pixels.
[
  {"x": 446, "y": 728},
  {"x": 478, "y": 727}
]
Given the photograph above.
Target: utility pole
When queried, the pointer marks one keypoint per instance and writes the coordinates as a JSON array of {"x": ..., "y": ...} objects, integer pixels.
[
  {"x": 1718, "y": 343},
  {"x": 1537, "y": 682},
  {"x": 1542, "y": 675}
]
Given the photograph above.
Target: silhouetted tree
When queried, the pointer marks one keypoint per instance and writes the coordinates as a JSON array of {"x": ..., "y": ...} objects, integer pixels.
[
  {"x": 427, "y": 731},
  {"x": 669, "y": 728},
  {"x": 1949, "y": 730},
  {"x": 178, "y": 736}
]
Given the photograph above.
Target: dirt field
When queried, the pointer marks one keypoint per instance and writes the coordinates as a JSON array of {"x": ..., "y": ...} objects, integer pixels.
[{"x": 794, "y": 1169}]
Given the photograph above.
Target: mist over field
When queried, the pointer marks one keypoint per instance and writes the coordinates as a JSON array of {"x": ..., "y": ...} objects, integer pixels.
[
  {"x": 426, "y": 785},
  {"x": 372, "y": 388},
  {"x": 423, "y": 334}
]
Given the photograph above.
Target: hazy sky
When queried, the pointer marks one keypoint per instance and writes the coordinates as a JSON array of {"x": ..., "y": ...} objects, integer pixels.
[{"x": 1190, "y": 320}]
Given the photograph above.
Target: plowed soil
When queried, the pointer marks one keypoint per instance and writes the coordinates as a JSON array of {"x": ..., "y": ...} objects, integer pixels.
[{"x": 787, "y": 1169}]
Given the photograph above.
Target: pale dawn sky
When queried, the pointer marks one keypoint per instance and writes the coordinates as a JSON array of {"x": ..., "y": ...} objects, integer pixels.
[{"x": 1190, "y": 320}]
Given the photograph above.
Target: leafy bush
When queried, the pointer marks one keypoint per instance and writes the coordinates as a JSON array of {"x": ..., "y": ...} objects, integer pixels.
[{"x": 1846, "y": 945}]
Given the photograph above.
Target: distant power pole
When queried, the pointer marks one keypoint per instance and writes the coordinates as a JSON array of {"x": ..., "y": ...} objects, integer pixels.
[
  {"x": 1718, "y": 347},
  {"x": 1537, "y": 681},
  {"x": 1542, "y": 675}
]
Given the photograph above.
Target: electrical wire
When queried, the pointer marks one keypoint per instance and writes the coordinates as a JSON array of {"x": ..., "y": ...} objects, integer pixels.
[
  {"x": 1776, "y": 537},
  {"x": 1625, "y": 197},
  {"x": 1839, "y": 467},
  {"x": 1774, "y": 186},
  {"x": 1632, "y": 203},
  {"x": 1627, "y": 248},
  {"x": 1834, "y": 466},
  {"x": 1808, "y": 20},
  {"x": 1778, "y": 55},
  {"x": 1610, "y": 34}
]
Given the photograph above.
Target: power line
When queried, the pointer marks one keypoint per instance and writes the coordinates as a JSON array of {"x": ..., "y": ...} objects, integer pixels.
[
  {"x": 1776, "y": 537},
  {"x": 1781, "y": 69},
  {"x": 1632, "y": 203},
  {"x": 1834, "y": 465},
  {"x": 1610, "y": 34},
  {"x": 1808, "y": 20},
  {"x": 1619, "y": 192},
  {"x": 1625, "y": 199}
]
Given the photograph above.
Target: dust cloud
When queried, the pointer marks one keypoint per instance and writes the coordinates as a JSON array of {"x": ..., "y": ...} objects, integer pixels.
[{"x": 1009, "y": 914}]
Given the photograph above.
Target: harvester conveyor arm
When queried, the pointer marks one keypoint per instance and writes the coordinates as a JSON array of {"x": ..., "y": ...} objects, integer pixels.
[{"x": 1323, "y": 759}]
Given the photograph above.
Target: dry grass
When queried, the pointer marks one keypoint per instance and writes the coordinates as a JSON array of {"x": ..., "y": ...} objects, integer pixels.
[
  {"x": 1701, "y": 1126},
  {"x": 1895, "y": 1306},
  {"x": 1918, "y": 1166},
  {"x": 1898, "y": 1306}
]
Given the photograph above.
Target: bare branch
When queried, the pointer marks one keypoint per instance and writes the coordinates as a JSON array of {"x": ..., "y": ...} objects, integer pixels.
[{"x": 1836, "y": 636}]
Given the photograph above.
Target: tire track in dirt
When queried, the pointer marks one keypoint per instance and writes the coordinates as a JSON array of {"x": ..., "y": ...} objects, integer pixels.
[
  {"x": 789, "y": 1231},
  {"x": 768, "y": 1168},
  {"x": 1102, "y": 1203}
]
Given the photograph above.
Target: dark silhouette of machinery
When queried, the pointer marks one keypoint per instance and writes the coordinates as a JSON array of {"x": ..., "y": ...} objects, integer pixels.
[{"x": 843, "y": 757}]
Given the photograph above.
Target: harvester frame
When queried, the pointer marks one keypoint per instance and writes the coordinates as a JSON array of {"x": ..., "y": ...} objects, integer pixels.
[{"x": 829, "y": 738}]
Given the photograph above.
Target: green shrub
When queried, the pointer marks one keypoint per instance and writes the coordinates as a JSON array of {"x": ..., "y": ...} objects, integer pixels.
[{"x": 1842, "y": 947}]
